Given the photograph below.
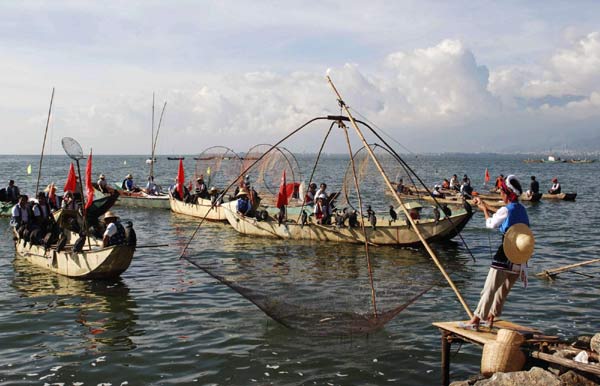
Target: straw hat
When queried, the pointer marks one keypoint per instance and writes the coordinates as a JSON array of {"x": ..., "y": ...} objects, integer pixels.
[
  {"x": 212, "y": 189},
  {"x": 110, "y": 214},
  {"x": 50, "y": 187},
  {"x": 101, "y": 176},
  {"x": 518, "y": 243},
  {"x": 242, "y": 192},
  {"x": 129, "y": 176}
]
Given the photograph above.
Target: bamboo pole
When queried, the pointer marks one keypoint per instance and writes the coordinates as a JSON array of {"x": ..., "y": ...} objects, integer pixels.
[
  {"x": 588, "y": 368},
  {"x": 152, "y": 141},
  {"x": 37, "y": 185},
  {"x": 156, "y": 138},
  {"x": 389, "y": 184},
  {"x": 556, "y": 271}
]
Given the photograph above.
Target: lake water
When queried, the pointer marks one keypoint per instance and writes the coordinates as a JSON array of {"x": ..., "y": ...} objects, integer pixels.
[{"x": 166, "y": 322}]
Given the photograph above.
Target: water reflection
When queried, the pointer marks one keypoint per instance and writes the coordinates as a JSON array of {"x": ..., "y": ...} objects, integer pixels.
[{"x": 105, "y": 317}]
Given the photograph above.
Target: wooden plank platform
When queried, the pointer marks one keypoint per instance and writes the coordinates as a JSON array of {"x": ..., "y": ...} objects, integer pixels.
[{"x": 451, "y": 332}]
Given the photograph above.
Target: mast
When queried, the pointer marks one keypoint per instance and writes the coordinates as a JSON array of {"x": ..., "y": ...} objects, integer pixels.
[
  {"x": 152, "y": 141},
  {"x": 389, "y": 184},
  {"x": 155, "y": 139},
  {"x": 37, "y": 185}
]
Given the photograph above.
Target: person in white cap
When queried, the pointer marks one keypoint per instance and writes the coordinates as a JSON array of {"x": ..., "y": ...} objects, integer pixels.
[
  {"x": 102, "y": 184},
  {"x": 506, "y": 267},
  {"x": 115, "y": 232}
]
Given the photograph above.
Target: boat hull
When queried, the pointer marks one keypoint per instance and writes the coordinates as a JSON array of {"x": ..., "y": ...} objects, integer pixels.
[
  {"x": 202, "y": 209},
  {"x": 140, "y": 200},
  {"x": 395, "y": 234},
  {"x": 561, "y": 196},
  {"x": 101, "y": 263}
]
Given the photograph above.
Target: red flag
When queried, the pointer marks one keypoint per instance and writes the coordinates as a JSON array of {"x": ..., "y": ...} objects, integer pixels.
[
  {"x": 282, "y": 197},
  {"x": 71, "y": 183},
  {"x": 487, "y": 176},
  {"x": 88, "y": 182},
  {"x": 180, "y": 179}
]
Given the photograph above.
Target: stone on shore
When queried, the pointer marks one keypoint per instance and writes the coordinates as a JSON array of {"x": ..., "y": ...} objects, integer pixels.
[{"x": 595, "y": 343}]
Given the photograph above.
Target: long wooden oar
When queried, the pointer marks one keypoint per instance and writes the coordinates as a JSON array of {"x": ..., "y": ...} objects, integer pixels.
[
  {"x": 551, "y": 273},
  {"x": 390, "y": 186}
]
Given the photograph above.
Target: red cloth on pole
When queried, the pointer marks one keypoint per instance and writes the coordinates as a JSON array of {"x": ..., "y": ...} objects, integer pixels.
[
  {"x": 282, "y": 197},
  {"x": 71, "y": 183},
  {"x": 88, "y": 182},
  {"x": 180, "y": 179},
  {"x": 487, "y": 176}
]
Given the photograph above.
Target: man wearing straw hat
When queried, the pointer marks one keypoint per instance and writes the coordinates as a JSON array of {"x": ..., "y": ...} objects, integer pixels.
[
  {"x": 115, "y": 232},
  {"x": 244, "y": 207},
  {"x": 509, "y": 261}
]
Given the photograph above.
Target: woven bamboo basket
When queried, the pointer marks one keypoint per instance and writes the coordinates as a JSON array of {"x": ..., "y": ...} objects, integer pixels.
[{"x": 503, "y": 355}]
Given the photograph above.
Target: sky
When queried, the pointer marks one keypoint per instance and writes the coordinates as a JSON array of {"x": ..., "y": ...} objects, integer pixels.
[{"x": 436, "y": 76}]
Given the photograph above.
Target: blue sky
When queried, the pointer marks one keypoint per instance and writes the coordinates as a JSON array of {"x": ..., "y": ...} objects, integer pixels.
[{"x": 438, "y": 76}]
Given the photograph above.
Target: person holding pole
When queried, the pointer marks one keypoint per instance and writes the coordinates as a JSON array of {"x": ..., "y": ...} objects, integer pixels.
[{"x": 509, "y": 261}]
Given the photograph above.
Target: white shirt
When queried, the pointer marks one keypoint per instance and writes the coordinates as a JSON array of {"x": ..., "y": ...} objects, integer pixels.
[
  {"x": 24, "y": 213},
  {"x": 496, "y": 220},
  {"x": 38, "y": 209},
  {"x": 111, "y": 230}
]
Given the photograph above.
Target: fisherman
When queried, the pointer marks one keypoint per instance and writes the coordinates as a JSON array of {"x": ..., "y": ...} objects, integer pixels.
[
  {"x": 309, "y": 199},
  {"x": 534, "y": 187},
  {"x": 321, "y": 209},
  {"x": 21, "y": 213},
  {"x": 243, "y": 207},
  {"x": 42, "y": 212},
  {"x": 503, "y": 273},
  {"x": 400, "y": 187},
  {"x": 51, "y": 196},
  {"x": 446, "y": 184},
  {"x": 499, "y": 182},
  {"x": 215, "y": 197},
  {"x": 454, "y": 183},
  {"x": 322, "y": 190},
  {"x": 466, "y": 180},
  {"x": 174, "y": 190},
  {"x": 466, "y": 189},
  {"x": 12, "y": 192},
  {"x": 151, "y": 188},
  {"x": 102, "y": 184},
  {"x": 436, "y": 192},
  {"x": 69, "y": 202},
  {"x": 115, "y": 232},
  {"x": 555, "y": 189},
  {"x": 201, "y": 188},
  {"x": 129, "y": 185}
]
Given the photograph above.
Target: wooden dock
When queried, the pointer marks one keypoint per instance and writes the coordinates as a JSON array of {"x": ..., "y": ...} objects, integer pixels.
[{"x": 452, "y": 333}]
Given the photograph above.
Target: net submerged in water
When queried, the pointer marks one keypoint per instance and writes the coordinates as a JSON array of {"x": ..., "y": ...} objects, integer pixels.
[{"x": 317, "y": 296}]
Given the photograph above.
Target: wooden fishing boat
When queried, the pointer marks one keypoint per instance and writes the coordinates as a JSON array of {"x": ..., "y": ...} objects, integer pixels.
[
  {"x": 397, "y": 233},
  {"x": 94, "y": 263},
  {"x": 561, "y": 196},
  {"x": 6, "y": 209},
  {"x": 138, "y": 199},
  {"x": 175, "y": 158},
  {"x": 201, "y": 209},
  {"x": 535, "y": 197}
]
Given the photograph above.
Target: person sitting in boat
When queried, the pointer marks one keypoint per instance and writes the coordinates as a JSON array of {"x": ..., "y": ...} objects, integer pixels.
[
  {"x": 454, "y": 183},
  {"x": 534, "y": 187},
  {"x": 21, "y": 214},
  {"x": 322, "y": 190},
  {"x": 215, "y": 197},
  {"x": 400, "y": 189},
  {"x": 436, "y": 192},
  {"x": 69, "y": 201},
  {"x": 466, "y": 189},
  {"x": 114, "y": 233},
  {"x": 309, "y": 199},
  {"x": 555, "y": 189},
  {"x": 151, "y": 188},
  {"x": 322, "y": 210},
  {"x": 43, "y": 220},
  {"x": 181, "y": 196},
  {"x": 103, "y": 186},
  {"x": 12, "y": 192},
  {"x": 499, "y": 182},
  {"x": 201, "y": 189},
  {"x": 51, "y": 197},
  {"x": 243, "y": 207},
  {"x": 446, "y": 184},
  {"x": 129, "y": 185}
]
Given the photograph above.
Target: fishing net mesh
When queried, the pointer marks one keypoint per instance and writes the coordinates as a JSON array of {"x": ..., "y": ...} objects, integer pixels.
[
  {"x": 265, "y": 175},
  {"x": 218, "y": 165},
  {"x": 317, "y": 289}
]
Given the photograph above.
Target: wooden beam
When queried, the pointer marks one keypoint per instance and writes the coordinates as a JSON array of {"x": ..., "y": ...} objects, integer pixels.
[{"x": 592, "y": 369}]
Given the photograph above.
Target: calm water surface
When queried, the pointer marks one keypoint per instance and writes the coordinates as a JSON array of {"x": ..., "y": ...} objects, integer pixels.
[{"x": 166, "y": 322}]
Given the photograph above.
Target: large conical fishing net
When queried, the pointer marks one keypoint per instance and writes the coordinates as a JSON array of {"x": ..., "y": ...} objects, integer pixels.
[
  {"x": 318, "y": 289},
  {"x": 265, "y": 174},
  {"x": 218, "y": 165}
]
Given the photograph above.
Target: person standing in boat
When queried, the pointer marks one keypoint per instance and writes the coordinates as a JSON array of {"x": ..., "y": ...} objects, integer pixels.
[
  {"x": 503, "y": 273},
  {"x": 114, "y": 233},
  {"x": 555, "y": 189},
  {"x": 12, "y": 192},
  {"x": 534, "y": 187}
]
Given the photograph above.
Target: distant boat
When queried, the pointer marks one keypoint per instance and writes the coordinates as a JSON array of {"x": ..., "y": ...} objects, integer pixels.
[
  {"x": 581, "y": 161},
  {"x": 150, "y": 161},
  {"x": 553, "y": 159},
  {"x": 175, "y": 158}
]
